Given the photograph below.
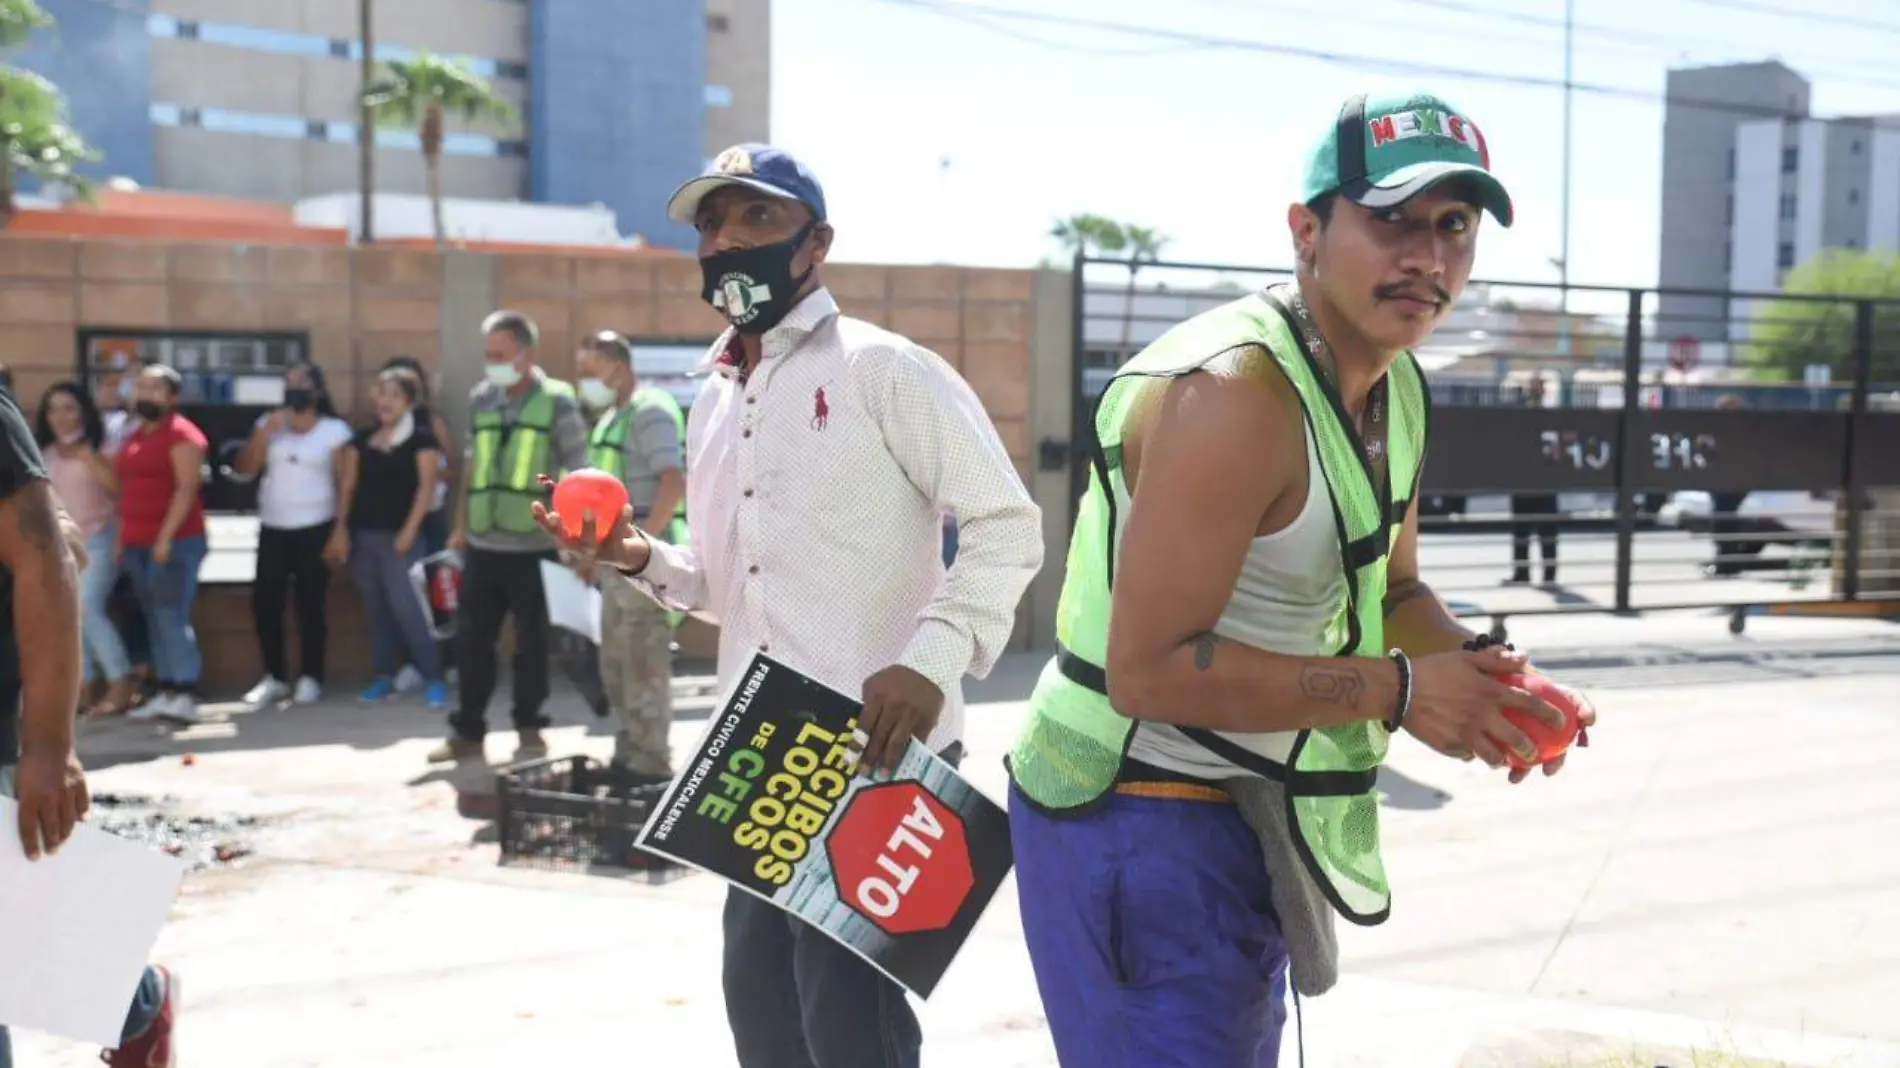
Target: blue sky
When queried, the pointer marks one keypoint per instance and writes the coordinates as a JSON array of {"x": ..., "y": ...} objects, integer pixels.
[{"x": 1206, "y": 144}]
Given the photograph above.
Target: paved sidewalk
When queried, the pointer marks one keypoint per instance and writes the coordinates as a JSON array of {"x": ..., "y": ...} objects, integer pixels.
[{"x": 1717, "y": 867}]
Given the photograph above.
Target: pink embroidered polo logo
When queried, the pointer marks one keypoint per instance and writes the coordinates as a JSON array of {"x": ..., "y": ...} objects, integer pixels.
[{"x": 820, "y": 411}]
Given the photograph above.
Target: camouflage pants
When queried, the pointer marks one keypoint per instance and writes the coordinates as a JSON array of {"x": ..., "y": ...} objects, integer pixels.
[{"x": 636, "y": 670}]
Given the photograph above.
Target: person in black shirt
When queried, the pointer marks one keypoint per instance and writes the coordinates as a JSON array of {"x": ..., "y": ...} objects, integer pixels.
[
  {"x": 389, "y": 476},
  {"x": 40, "y": 549}
]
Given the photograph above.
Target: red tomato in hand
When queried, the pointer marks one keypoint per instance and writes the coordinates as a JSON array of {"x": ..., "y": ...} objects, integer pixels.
[
  {"x": 589, "y": 490},
  {"x": 1551, "y": 743}
]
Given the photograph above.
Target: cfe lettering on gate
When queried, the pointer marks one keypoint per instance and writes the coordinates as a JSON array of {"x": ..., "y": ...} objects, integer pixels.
[
  {"x": 794, "y": 801},
  {"x": 901, "y": 858}
]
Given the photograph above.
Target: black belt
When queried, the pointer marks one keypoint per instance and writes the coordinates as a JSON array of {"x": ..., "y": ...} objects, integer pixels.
[{"x": 1302, "y": 783}]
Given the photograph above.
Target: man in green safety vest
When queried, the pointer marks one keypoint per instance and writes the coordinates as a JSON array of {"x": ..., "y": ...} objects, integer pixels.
[
  {"x": 640, "y": 438},
  {"x": 1243, "y": 627},
  {"x": 524, "y": 425}
]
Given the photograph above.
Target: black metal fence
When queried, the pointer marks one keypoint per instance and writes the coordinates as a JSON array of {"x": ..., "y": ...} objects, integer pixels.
[{"x": 1651, "y": 449}]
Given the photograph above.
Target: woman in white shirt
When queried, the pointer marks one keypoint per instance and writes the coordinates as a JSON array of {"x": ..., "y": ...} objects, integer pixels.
[{"x": 299, "y": 450}]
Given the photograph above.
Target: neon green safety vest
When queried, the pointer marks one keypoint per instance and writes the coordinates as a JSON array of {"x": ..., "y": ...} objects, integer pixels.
[
  {"x": 1071, "y": 750},
  {"x": 509, "y": 457},
  {"x": 607, "y": 450},
  {"x": 607, "y": 446}
]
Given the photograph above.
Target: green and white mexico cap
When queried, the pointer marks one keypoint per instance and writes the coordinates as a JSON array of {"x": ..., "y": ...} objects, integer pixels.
[{"x": 1384, "y": 151}]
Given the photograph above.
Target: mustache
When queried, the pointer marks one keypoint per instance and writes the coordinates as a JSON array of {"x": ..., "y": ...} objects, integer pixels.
[{"x": 1430, "y": 291}]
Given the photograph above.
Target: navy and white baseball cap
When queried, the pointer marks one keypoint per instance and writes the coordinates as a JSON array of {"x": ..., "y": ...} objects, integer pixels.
[{"x": 769, "y": 170}]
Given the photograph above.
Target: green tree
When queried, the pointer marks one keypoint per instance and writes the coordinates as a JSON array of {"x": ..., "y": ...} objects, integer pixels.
[
  {"x": 1090, "y": 235},
  {"x": 1141, "y": 244},
  {"x": 1791, "y": 335},
  {"x": 35, "y": 139},
  {"x": 420, "y": 94}
]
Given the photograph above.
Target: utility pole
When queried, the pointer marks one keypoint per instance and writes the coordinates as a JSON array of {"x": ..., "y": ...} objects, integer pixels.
[
  {"x": 1563, "y": 255},
  {"x": 366, "y": 124}
]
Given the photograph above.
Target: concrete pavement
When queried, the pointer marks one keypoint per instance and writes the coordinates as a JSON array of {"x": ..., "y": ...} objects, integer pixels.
[{"x": 1717, "y": 869}]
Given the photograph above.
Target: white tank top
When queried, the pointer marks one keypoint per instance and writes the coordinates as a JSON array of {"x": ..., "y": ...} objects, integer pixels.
[{"x": 1288, "y": 591}]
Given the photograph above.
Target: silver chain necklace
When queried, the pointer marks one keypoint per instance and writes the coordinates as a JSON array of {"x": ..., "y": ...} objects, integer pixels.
[{"x": 1374, "y": 436}]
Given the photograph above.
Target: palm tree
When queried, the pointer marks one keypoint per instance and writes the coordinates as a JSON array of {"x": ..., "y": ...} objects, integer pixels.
[
  {"x": 34, "y": 137},
  {"x": 1142, "y": 244},
  {"x": 419, "y": 94},
  {"x": 1085, "y": 234}
]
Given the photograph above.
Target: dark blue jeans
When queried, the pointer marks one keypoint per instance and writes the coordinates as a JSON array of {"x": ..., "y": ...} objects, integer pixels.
[
  {"x": 145, "y": 1006},
  {"x": 167, "y": 592},
  {"x": 797, "y": 999}
]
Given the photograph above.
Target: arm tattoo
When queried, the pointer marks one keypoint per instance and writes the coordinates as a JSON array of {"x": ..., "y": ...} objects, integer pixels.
[
  {"x": 1332, "y": 685},
  {"x": 1204, "y": 644},
  {"x": 38, "y": 522}
]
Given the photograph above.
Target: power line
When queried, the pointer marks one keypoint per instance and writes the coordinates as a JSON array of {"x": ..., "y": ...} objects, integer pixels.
[
  {"x": 1349, "y": 59},
  {"x": 1673, "y": 44},
  {"x": 1804, "y": 16}
]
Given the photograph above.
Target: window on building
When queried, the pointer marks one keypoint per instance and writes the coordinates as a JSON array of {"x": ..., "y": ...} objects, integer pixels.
[
  {"x": 1851, "y": 243},
  {"x": 718, "y": 24},
  {"x": 1784, "y": 257},
  {"x": 508, "y": 68},
  {"x": 190, "y": 117},
  {"x": 1854, "y": 146},
  {"x": 512, "y": 149},
  {"x": 1853, "y": 196},
  {"x": 1790, "y": 160},
  {"x": 262, "y": 40},
  {"x": 317, "y": 130},
  {"x": 1728, "y": 256},
  {"x": 1728, "y": 212},
  {"x": 1787, "y": 205},
  {"x": 187, "y": 31},
  {"x": 1731, "y": 164},
  {"x": 718, "y": 96},
  {"x": 339, "y": 48}
]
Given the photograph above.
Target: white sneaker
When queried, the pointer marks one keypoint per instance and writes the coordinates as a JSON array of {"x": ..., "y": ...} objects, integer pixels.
[
  {"x": 409, "y": 680},
  {"x": 269, "y": 692},
  {"x": 158, "y": 706},
  {"x": 174, "y": 707},
  {"x": 184, "y": 709},
  {"x": 309, "y": 691}
]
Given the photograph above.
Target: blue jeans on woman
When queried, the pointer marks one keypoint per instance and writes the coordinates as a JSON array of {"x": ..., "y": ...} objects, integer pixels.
[
  {"x": 105, "y": 650},
  {"x": 167, "y": 591}
]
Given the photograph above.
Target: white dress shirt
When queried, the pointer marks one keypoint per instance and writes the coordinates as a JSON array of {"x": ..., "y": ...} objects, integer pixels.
[{"x": 815, "y": 495}]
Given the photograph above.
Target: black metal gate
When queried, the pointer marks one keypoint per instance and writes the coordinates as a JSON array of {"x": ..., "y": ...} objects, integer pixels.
[{"x": 1676, "y": 481}]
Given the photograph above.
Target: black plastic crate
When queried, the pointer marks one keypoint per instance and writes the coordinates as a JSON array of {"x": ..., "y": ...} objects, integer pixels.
[{"x": 576, "y": 814}]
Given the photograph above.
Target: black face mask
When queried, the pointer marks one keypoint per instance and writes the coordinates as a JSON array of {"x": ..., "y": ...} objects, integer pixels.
[
  {"x": 753, "y": 287},
  {"x": 150, "y": 411},
  {"x": 300, "y": 400}
]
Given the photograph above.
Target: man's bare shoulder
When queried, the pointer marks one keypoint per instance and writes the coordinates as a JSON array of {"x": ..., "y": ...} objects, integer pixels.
[{"x": 1238, "y": 397}]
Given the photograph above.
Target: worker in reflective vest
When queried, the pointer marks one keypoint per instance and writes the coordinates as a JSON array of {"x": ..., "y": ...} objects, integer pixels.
[
  {"x": 639, "y": 438},
  {"x": 1242, "y": 625},
  {"x": 524, "y": 425}
]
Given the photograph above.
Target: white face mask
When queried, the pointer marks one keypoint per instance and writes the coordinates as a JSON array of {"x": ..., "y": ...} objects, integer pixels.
[
  {"x": 505, "y": 375},
  {"x": 597, "y": 394}
]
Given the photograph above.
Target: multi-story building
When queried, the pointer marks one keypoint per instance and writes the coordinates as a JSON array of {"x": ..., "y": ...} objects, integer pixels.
[
  {"x": 1753, "y": 186},
  {"x": 616, "y": 99},
  {"x": 1705, "y": 109}
]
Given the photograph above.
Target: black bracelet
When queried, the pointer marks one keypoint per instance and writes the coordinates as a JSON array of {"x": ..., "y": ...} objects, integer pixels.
[
  {"x": 1404, "y": 703},
  {"x": 1485, "y": 641}
]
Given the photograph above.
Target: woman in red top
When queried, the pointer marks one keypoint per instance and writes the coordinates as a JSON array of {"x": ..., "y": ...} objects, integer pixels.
[{"x": 162, "y": 535}]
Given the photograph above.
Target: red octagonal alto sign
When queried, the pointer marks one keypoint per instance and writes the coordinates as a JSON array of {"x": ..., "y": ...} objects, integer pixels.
[{"x": 901, "y": 859}]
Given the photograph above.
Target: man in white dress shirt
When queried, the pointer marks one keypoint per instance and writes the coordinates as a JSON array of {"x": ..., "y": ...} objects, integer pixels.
[{"x": 823, "y": 454}]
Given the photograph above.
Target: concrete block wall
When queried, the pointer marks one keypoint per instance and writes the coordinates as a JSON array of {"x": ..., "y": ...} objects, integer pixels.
[{"x": 1005, "y": 330}]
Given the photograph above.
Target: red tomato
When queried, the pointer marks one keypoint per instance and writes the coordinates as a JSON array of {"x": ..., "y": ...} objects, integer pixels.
[{"x": 589, "y": 490}]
